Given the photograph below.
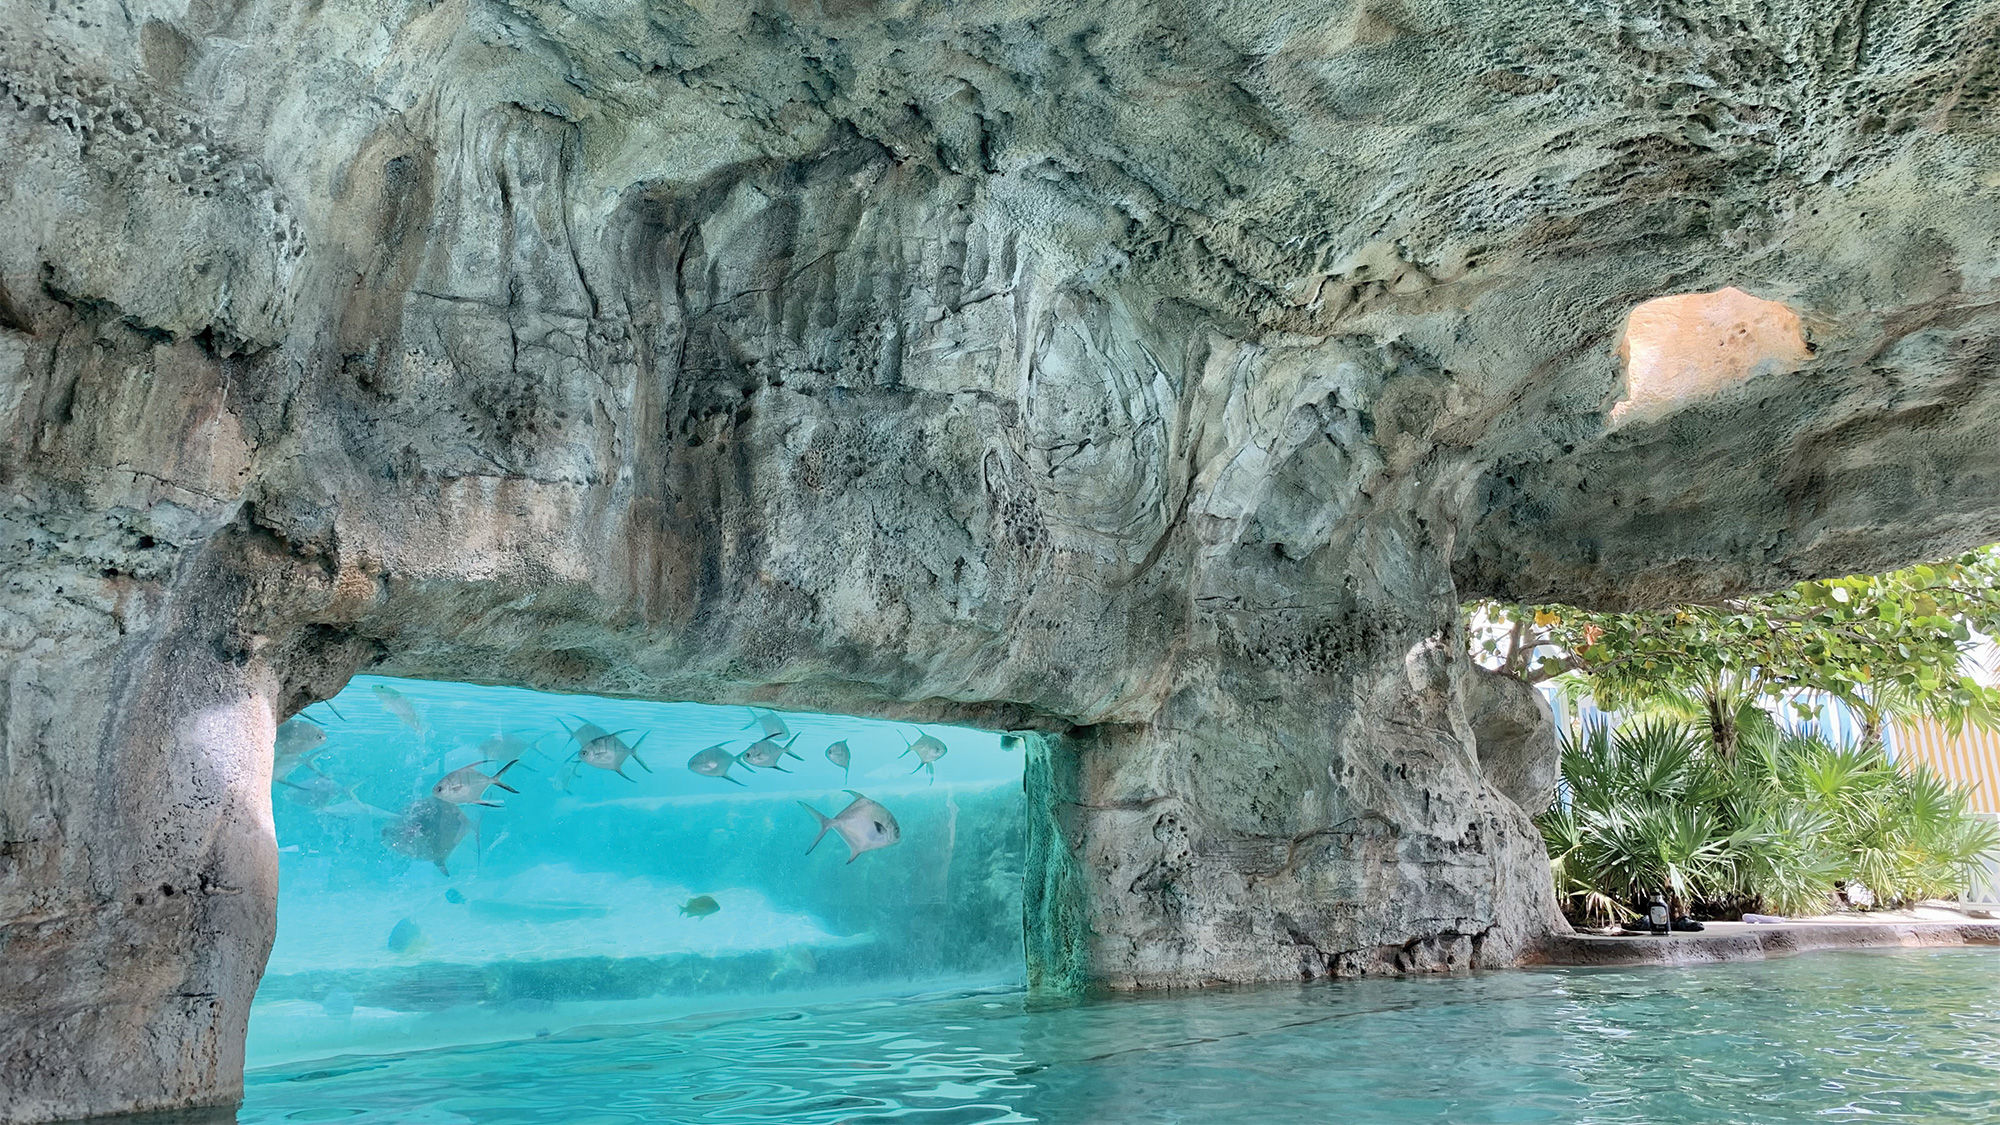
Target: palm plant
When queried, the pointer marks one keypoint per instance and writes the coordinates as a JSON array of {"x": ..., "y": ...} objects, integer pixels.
[
  {"x": 1574, "y": 863},
  {"x": 1782, "y": 858},
  {"x": 1779, "y": 821},
  {"x": 1634, "y": 815}
]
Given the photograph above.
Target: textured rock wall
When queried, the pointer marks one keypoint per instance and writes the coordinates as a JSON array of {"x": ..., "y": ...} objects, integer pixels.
[
  {"x": 1157, "y": 376},
  {"x": 1514, "y": 731}
]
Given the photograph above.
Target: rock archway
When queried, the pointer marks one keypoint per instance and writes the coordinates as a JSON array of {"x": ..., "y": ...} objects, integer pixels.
[{"x": 1157, "y": 379}]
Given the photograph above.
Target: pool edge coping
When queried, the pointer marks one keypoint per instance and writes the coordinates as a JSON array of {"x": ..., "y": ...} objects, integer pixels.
[{"x": 1756, "y": 943}]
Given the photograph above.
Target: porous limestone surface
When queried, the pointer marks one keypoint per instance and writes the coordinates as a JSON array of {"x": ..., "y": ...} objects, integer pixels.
[
  {"x": 1157, "y": 376},
  {"x": 1514, "y": 732}
]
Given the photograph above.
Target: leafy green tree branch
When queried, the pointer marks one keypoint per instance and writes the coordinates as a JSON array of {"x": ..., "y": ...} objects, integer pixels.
[{"x": 1888, "y": 646}]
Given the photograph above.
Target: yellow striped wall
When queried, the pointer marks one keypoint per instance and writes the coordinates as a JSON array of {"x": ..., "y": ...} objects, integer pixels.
[{"x": 1971, "y": 759}]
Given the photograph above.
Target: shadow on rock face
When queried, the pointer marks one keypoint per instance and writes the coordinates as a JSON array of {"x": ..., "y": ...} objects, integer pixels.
[{"x": 1516, "y": 735}]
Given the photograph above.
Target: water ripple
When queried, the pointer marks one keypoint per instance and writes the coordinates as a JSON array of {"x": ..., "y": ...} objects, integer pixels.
[{"x": 1907, "y": 1036}]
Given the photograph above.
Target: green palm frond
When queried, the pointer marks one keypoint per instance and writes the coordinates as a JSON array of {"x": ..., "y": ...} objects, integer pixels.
[{"x": 1648, "y": 807}]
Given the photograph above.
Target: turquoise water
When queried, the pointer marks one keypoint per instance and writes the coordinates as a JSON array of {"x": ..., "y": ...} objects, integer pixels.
[
  {"x": 547, "y": 968},
  {"x": 565, "y": 904},
  {"x": 1903, "y": 1036}
]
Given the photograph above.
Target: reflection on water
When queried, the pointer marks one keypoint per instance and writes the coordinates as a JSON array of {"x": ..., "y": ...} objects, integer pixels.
[
  {"x": 462, "y": 863},
  {"x": 1902, "y": 1036}
]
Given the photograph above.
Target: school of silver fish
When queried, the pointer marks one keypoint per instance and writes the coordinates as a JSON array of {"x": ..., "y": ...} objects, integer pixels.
[{"x": 431, "y": 827}]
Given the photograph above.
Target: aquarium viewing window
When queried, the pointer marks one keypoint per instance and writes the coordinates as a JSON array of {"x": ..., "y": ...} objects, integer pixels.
[{"x": 459, "y": 863}]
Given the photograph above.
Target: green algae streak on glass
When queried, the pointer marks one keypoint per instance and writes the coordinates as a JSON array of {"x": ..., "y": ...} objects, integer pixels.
[{"x": 461, "y": 864}]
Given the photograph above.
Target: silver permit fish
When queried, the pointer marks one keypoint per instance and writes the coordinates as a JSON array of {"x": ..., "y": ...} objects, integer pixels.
[
  {"x": 841, "y": 756},
  {"x": 928, "y": 748},
  {"x": 567, "y": 774},
  {"x": 399, "y": 705},
  {"x": 606, "y": 752},
  {"x": 428, "y": 829},
  {"x": 298, "y": 737},
  {"x": 863, "y": 824},
  {"x": 584, "y": 732},
  {"x": 768, "y": 722},
  {"x": 714, "y": 762},
  {"x": 352, "y": 807},
  {"x": 796, "y": 960},
  {"x": 467, "y": 785},
  {"x": 317, "y": 792},
  {"x": 766, "y": 753},
  {"x": 501, "y": 747}
]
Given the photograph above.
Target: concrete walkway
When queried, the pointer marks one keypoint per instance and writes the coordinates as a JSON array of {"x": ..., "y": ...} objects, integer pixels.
[{"x": 1924, "y": 926}]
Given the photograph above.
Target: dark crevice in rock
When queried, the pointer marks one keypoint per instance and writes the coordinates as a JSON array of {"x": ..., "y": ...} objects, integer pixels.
[{"x": 12, "y": 317}]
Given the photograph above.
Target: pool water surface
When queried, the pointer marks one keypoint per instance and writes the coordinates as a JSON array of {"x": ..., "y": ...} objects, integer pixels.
[{"x": 1895, "y": 1036}]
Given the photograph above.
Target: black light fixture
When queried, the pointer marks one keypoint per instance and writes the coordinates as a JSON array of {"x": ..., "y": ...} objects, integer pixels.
[{"x": 1658, "y": 919}]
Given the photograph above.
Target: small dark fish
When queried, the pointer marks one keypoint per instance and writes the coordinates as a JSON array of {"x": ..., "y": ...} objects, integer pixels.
[
  {"x": 700, "y": 906},
  {"x": 454, "y": 896},
  {"x": 863, "y": 824},
  {"x": 768, "y": 722},
  {"x": 928, "y": 748},
  {"x": 606, "y": 752},
  {"x": 428, "y": 829},
  {"x": 841, "y": 756},
  {"x": 406, "y": 937},
  {"x": 714, "y": 762},
  {"x": 467, "y": 785},
  {"x": 765, "y": 754}
]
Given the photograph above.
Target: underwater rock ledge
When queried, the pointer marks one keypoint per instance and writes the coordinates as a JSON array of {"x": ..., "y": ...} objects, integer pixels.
[{"x": 1159, "y": 380}]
